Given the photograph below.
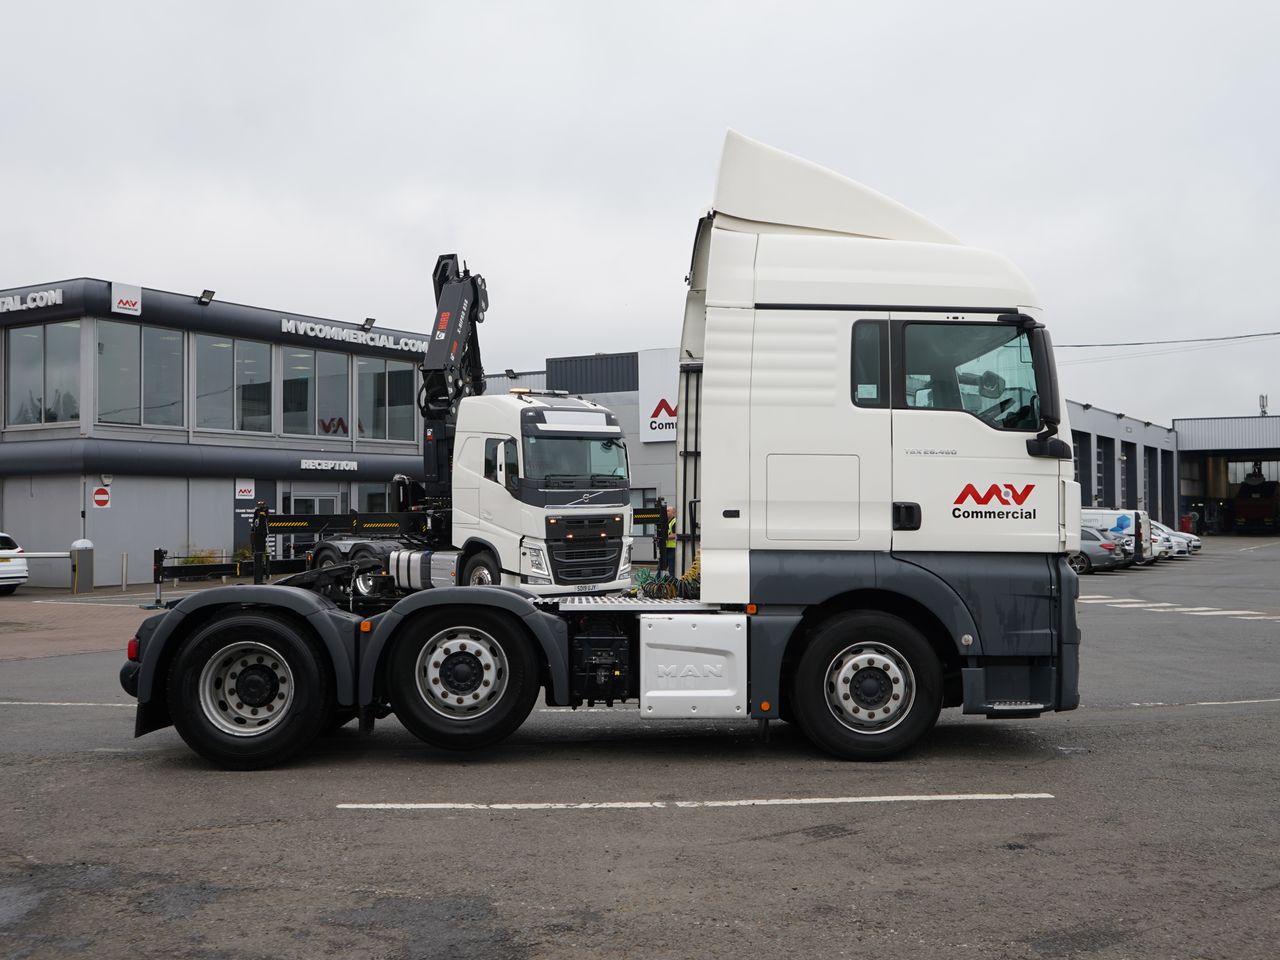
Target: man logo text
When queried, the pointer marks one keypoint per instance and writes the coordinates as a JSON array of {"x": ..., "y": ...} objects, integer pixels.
[{"x": 690, "y": 670}]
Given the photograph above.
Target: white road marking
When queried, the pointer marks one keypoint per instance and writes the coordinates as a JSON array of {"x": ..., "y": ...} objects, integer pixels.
[
  {"x": 1264, "y": 617},
  {"x": 1138, "y": 603},
  {"x": 1216, "y": 613},
  {"x": 691, "y": 804},
  {"x": 1258, "y": 547},
  {"x": 1204, "y": 703},
  {"x": 61, "y": 703},
  {"x": 1098, "y": 600},
  {"x": 1189, "y": 610},
  {"x": 1093, "y": 596}
]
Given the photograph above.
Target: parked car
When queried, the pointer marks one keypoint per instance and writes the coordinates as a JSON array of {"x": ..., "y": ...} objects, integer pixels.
[
  {"x": 1098, "y": 551},
  {"x": 1161, "y": 545},
  {"x": 13, "y": 565},
  {"x": 1190, "y": 539}
]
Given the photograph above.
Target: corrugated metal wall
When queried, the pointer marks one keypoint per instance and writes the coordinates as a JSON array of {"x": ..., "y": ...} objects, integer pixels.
[
  {"x": 599, "y": 373},
  {"x": 1228, "y": 433}
]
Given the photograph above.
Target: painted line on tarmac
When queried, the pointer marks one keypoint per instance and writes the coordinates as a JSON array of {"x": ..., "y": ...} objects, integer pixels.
[
  {"x": 1204, "y": 703},
  {"x": 1259, "y": 546},
  {"x": 1219, "y": 613},
  {"x": 695, "y": 804},
  {"x": 61, "y": 703}
]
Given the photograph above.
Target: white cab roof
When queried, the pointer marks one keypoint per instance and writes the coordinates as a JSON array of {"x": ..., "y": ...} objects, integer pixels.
[{"x": 761, "y": 183}]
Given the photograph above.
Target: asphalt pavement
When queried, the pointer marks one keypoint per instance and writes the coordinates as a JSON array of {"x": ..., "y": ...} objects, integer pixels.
[{"x": 1141, "y": 825}]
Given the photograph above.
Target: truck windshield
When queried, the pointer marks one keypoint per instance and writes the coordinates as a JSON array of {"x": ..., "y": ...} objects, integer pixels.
[
  {"x": 982, "y": 369},
  {"x": 560, "y": 458}
]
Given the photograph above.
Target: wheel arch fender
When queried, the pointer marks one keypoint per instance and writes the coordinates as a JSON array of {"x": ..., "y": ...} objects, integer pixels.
[
  {"x": 549, "y": 632},
  {"x": 473, "y": 546},
  {"x": 316, "y": 612}
]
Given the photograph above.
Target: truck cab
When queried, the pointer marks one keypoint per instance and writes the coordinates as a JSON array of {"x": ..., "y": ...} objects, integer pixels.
[{"x": 540, "y": 494}]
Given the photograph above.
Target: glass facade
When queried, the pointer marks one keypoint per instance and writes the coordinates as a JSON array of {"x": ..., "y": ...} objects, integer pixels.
[
  {"x": 140, "y": 374},
  {"x": 42, "y": 373},
  {"x": 385, "y": 389},
  {"x": 314, "y": 392}
]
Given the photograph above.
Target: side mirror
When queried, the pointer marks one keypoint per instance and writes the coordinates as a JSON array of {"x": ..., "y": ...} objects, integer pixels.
[{"x": 509, "y": 466}]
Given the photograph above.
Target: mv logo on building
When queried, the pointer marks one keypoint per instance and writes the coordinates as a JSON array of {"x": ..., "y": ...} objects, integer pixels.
[
  {"x": 663, "y": 416},
  {"x": 1005, "y": 494},
  {"x": 126, "y": 298}
]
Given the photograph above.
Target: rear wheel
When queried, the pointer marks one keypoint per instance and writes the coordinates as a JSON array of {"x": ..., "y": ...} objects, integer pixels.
[
  {"x": 364, "y": 581},
  {"x": 249, "y": 690},
  {"x": 7, "y": 589},
  {"x": 1079, "y": 563},
  {"x": 462, "y": 679},
  {"x": 867, "y": 687}
]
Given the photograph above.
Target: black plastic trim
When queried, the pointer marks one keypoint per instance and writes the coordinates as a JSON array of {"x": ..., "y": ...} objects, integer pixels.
[{"x": 893, "y": 307}]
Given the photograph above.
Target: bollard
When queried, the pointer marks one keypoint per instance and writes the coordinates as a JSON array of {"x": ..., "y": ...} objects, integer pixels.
[
  {"x": 124, "y": 572},
  {"x": 82, "y": 566}
]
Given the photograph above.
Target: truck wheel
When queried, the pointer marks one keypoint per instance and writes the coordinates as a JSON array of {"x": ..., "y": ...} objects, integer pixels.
[
  {"x": 364, "y": 583},
  {"x": 8, "y": 589},
  {"x": 249, "y": 690},
  {"x": 462, "y": 679},
  {"x": 326, "y": 558},
  {"x": 868, "y": 686},
  {"x": 482, "y": 570},
  {"x": 1079, "y": 563}
]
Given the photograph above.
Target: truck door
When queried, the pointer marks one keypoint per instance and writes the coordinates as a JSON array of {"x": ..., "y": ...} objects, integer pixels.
[
  {"x": 818, "y": 465},
  {"x": 965, "y": 403}
]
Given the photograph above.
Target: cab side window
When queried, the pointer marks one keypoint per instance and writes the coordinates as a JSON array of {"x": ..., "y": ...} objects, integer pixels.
[
  {"x": 870, "y": 363},
  {"x": 491, "y": 459},
  {"x": 984, "y": 369}
]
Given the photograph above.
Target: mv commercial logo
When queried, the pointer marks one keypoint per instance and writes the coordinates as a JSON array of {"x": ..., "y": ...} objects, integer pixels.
[
  {"x": 663, "y": 416},
  {"x": 126, "y": 298},
  {"x": 1005, "y": 494}
]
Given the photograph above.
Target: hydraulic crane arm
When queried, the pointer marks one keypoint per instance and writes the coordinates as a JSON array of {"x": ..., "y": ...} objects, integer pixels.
[{"x": 451, "y": 369}]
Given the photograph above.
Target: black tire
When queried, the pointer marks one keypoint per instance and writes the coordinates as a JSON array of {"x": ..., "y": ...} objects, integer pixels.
[
  {"x": 482, "y": 570},
  {"x": 326, "y": 557},
  {"x": 894, "y": 677},
  {"x": 8, "y": 589},
  {"x": 484, "y": 662},
  {"x": 293, "y": 696},
  {"x": 1080, "y": 564},
  {"x": 364, "y": 582}
]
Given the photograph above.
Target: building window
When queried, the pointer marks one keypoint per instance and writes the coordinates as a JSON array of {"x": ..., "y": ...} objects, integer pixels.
[
  {"x": 333, "y": 393},
  {"x": 372, "y": 498},
  {"x": 233, "y": 384},
  {"x": 43, "y": 374},
  {"x": 140, "y": 374},
  {"x": 385, "y": 391}
]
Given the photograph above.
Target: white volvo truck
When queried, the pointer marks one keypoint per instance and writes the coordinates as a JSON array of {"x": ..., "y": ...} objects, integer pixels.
[
  {"x": 872, "y": 483},
  {"x": 525, "y": 489}
]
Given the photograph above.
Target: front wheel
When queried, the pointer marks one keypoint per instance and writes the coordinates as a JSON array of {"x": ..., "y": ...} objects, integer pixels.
[
  {"x": 868, "y": 686},
  {"x": 482, "y": 570},
  {"x": 462, "y": 679},
  {"x": 250, "y": 690}
]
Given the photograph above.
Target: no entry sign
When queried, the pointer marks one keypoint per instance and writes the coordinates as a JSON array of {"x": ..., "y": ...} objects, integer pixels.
[{"x": 101, "y": 496}]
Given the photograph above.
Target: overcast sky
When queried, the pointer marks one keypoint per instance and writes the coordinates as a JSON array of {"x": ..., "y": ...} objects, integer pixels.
[{"x": 316, "y": 157}]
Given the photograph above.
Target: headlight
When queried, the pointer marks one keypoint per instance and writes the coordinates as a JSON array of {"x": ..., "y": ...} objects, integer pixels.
[
  {"x": 538, "y": 561},
  {"x": 624, "y": 568}
]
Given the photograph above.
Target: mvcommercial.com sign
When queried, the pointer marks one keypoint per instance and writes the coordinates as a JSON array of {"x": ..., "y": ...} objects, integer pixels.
[
  {"x": 330, "y": 331},
  {"x": 32, "y": 301}
]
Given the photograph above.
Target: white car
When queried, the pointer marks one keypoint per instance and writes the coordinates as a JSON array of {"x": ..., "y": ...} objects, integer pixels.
[
  {"x": 1161, "y": 545},
  {"x": 13, "y": 565},
  {"x": 1190, "y": 539}
]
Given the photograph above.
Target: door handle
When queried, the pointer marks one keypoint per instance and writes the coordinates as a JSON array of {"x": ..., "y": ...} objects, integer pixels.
[{"x": 906, "y": 516}]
